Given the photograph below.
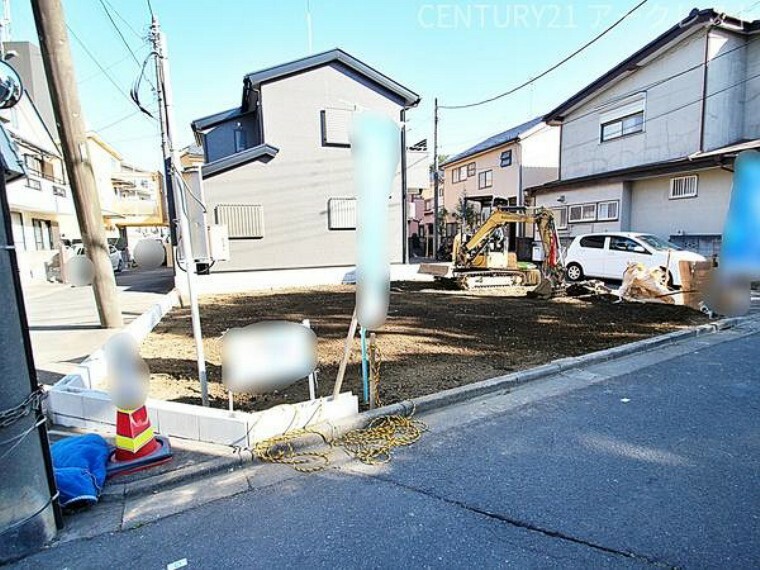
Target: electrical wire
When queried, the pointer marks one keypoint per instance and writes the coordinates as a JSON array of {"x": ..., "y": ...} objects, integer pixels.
[
  {"x": 553, "y": 67},
  {"x": 100, "y": 66},
  {"x": 126, "y": 22},
  {"x": 118, "y": 32},
  {"x": 642, "y": 89}
]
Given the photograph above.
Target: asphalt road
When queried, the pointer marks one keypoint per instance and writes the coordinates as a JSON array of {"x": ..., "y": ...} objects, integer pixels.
[{"x": 655, "y": 468}]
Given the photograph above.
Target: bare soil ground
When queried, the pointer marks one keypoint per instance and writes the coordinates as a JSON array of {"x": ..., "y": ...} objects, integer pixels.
[{"x": 434, "y": 338}]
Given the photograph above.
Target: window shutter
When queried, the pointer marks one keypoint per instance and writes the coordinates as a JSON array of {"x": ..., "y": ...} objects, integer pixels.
[
  {"x": 242, "y": 220},
  {"x": 341, "y": 213},
  {"x": 336, "y": 127}
]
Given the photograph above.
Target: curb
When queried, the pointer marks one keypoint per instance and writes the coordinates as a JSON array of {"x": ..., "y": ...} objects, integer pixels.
[
  {"x": 117, "y": 491},
  {"x": 503, "y": 384},
  {"x": 438, "y": 400}
]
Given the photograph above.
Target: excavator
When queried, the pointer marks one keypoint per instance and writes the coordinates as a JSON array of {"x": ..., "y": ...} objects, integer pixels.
[{"x": 483, "y": 259}]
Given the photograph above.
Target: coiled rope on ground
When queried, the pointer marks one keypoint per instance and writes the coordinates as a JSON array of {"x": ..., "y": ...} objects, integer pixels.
[{"x": 372, "y": 445}]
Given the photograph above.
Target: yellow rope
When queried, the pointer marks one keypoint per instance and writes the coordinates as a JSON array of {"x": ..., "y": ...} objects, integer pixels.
[
  {"x": 279, "y": 449},
  {"x": 372, "y": 444}
]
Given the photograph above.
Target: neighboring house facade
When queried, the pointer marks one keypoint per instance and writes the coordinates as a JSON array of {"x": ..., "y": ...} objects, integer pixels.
[
  {"x": 650, "y": 145},
  {"x": 130, "y": 197},
  {"x": 278, "y": 169},
  {"x": 42, "y": 209},
  {"x": 421, "y": 214},
  {"x": 498, "y": 169}
]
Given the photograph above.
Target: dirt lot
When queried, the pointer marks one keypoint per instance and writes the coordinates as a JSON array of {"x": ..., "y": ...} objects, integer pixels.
[{"x": 434, "y": 338}]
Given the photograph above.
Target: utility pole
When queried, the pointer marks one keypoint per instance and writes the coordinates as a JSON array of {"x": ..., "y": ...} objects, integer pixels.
[
  {"x": 175, "y": 184},
  {"x": 5, "y": 26},
  {"x": 436, "y": 182},
  {"x": 59, "y": 69}
]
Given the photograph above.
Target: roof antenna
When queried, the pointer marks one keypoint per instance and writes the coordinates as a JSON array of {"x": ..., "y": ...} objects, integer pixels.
[{"x": 308, "y": 27}]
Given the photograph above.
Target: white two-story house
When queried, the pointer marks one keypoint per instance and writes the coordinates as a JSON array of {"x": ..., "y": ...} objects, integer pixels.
[
  {"x": 42, "y": 209},
  {"x": 650, "y": 145}
]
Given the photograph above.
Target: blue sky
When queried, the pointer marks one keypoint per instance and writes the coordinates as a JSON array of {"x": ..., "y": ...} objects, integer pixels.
[{"x": 459, "y": 51}]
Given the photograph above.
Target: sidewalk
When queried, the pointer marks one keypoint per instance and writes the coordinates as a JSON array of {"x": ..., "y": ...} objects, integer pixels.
[
  {"x": 650, "y": 460},
  {"x": 63, "y": 320}
]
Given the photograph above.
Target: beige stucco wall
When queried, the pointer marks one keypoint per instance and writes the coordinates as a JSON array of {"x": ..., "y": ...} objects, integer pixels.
[
  {"x": 294, "y": 187},
  {"x": 652, "y": 211},
  {"x": 506, "y": 181}
]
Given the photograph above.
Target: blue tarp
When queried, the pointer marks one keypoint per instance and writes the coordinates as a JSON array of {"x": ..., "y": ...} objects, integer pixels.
[{"x": 79, "y": 464}]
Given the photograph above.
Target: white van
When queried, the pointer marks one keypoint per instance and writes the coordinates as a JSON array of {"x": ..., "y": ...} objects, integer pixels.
[{"x": 606, "y": 256}]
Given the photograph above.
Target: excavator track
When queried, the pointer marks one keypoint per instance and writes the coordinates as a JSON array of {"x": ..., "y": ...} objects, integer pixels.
[{"x": 494, "y": 279}]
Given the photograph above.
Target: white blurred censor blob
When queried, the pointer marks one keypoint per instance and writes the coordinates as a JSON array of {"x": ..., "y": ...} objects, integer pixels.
[
  {"x": 128, "y": 374},
  {"x": 375, "y": 149},
  {"x": 267, "y": 356},
  {"x": 149, "y": 253},
  {"x": 80, "y": 271}
]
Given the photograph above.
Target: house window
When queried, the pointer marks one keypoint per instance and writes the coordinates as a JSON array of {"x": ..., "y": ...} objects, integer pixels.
[
  {"x": 581, "y": 213},
  {"x": 459, "y": 174},
  {"x": 241, "y": 138},
  {"x": 625, "y": 118},
  {"x": 683, "y": 187},
  {"x": 336, "y": 127},
  {"x": 17, "y": 223},
  {"x": 471, "y": 169},
  {"x": 506, "y": 159},
  {"x": 451, "y": 229},
  {"x": 33, "y": 184},
  {"x": 560, "y": 218},
  {"x": 621, "y": 127},
  {"x": 341, "y": 213},
  {"x": 243, "y": 221},
  {"x": 59, "y": 191},
  {"x": 485, "y": 179},
  {"x": 43, "y": 234},
  {"x": 607, "y": 211},
  {"x": 33, "y": 164}
]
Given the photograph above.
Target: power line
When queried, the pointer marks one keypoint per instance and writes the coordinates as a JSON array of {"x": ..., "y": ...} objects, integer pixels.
[
  {"x": 118, "y": 31},
  {"x": 664, "y": 80},
  {"x": 100, "y": 66},
  {"x": 126, "y": 22},
  {"x": 553, "y": 67},
  {"x": 641, "y": 89},
  {"x": 675, "y": 110},
  {"x": 117, "y": 121}
]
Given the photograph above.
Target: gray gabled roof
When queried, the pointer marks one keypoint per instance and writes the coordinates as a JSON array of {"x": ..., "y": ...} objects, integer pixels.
[
  {"x": 497, "y": 140},
  {"x": 336, "y": 55},
  {"x": 630, "y": 64}
]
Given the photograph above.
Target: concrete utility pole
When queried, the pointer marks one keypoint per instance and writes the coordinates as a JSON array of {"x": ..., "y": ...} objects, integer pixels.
[
  {"x": 435, "y": 179},
  {"x": 175, "y": 183},
  {"x": 59, "y": 69}
]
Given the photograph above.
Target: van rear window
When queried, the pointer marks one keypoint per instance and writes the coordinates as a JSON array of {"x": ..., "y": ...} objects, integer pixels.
[{"x": 596, "y": 242}]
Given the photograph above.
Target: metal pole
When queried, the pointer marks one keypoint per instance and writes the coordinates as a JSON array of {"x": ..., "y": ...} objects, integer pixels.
[
  {"x": 174, "y": 181},
  {"x": 435, "y": 178},
  {"x": 29, "y": 511},
  {"x": 59, "y": 69},
  {"x": 365, "y": 367}
]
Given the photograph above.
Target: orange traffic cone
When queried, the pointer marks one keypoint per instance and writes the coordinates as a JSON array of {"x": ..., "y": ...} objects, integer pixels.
[{"x": 137, "y": 447}]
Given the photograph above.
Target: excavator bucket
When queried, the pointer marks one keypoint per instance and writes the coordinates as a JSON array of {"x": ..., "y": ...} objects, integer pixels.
[{"x": 543, "y": 291}]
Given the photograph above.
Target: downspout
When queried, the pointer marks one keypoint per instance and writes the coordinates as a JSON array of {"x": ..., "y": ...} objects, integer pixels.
[
  {"x": 703, "y": 107},
  {"x": 404, "y": 228}
]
